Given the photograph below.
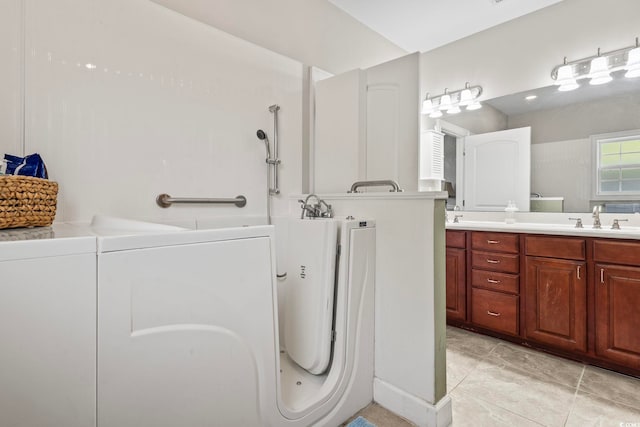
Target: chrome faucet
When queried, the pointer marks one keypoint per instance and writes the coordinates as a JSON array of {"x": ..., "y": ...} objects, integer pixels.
[
  {"x": 578, "y": 222},
  {"x": 616, "y": 224},
  {"x": 315, "y": 210},
  {"x": 596, "y": 217}
]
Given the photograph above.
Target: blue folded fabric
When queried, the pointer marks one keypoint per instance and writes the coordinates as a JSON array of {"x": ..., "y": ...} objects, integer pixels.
[
  {"x": 360, "y": 422},
  {"x": 31, "y": 165}
]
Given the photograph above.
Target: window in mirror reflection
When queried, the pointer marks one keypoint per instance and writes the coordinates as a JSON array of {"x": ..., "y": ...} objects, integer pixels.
[{"x": 618, "y": 165}]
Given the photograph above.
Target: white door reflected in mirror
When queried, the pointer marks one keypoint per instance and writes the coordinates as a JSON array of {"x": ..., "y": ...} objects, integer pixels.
[{"x": 497, "y": 169}]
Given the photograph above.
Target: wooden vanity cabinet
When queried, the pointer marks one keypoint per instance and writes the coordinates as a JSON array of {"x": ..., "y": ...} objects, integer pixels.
[
  {"x": 495, "y": 267},
  {"x": 617, "y": 302},
  {"x": 456, "y": 281},
  {"x": 577, "y": 297},
  {"x": 556, "y": 292}
]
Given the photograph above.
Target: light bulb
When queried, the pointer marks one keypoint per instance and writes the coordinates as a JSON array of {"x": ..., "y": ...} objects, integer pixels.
[
  {"x": 427, "y": 106},
  {"x": 565, "y": 79},
  {"x": 465, "y": 97},
  {"x": 475, "y": 105},
  {"x": 569, "y": 86},
  {"x": 445, "y": 102},
  {"x": 633, "y": 63},
  {"x": 453, "y": 110},
  {"x": 599, "y": 71}
]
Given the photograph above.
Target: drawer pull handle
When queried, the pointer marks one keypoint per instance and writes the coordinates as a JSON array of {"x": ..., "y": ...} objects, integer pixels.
[
  {"x": 493, "y": 261},
  {"x": 493, "y": 313},
  {"x": 493, "y": 281},
  {"x": 602, "y": 275},
  {"x": 493, "y": 242},
  {"x": 578, "y": 272}
]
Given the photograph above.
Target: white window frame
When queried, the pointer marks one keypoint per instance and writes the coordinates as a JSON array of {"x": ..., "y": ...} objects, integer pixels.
[{"x": 595, "y": 158}]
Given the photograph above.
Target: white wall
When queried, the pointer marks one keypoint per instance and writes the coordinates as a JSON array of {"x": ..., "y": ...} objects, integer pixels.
[
  {"x": 551, "y": 177},
  {"x": 10, "y": 77},
  {"x": 172, "y": 106},
  {"x": 581, "y": 120},
  {"x": 520, "y": 54},
  {"x": 315, "y": 32}
]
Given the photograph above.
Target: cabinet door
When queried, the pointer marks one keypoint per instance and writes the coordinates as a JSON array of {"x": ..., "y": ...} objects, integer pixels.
[
  {"x": 617, "y": 304},
  {"x": 556, "y": 303},
  {"x": 456, "y": 284}
]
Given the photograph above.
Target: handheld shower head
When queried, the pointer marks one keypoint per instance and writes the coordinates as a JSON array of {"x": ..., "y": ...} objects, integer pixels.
[{"x": 263, "y": 137}]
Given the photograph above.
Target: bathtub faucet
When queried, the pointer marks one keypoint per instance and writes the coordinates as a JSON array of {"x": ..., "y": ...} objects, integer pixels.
[{"x": 318, "y": 210}]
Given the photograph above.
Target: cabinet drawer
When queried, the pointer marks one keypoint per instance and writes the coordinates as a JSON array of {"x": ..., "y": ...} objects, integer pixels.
[
  {"x": 495, "y": 311},
  {"x": 495, "y": 281},
  {"x": 555, "y": 247},
  {"x": 499, "y": 242},
  {"x": 616, "y": 252},
  {"x": 456, "y": 239},
  {"x": 493, "y": 261}
]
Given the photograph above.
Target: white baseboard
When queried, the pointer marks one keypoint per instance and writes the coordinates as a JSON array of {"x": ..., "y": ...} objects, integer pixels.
[{"x": 412, "y": 408}]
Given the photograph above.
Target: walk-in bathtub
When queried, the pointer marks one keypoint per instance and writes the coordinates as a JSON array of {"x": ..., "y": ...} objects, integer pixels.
[{"x": 188, "y": 332}]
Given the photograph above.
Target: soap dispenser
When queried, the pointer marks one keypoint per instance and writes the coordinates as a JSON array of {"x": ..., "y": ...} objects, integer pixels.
[{"x": 510, "y": 213}]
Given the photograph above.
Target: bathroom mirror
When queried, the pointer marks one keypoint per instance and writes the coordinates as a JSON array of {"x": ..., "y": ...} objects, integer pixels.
[{"x": 561, "y": 126}]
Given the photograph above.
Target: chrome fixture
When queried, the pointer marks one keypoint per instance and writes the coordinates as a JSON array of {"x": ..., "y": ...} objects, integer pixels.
[
  {"x": 596, "y": 217},
  {"x": 452, "y": 101},
  {"x": 598, "y": 68},
  {"x": 394, "y": 185},
  {"x": 578, "y": 222},
  {"x": 616, "y": 224},
  {"x": 272, "y": 162},
  {"x": 537, "y": 195},
  {"x": 165, "y": 200},
  {"x": 456, "y": 220},
  {"x": 275, "y": 161},
  {"x": 315, "y": 210}
]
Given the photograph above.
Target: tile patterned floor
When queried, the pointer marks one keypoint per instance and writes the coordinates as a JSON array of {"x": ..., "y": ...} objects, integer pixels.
[{"x": 494, "y": 383}]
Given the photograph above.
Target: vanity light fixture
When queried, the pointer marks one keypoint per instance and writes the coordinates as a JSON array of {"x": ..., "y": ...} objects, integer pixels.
[
  {"x": 598, "y": 68},
  {"x": 452, "y": 101}
]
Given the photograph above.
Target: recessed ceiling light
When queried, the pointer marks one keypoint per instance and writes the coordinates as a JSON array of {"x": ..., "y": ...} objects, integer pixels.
[{"x": 530, "y": 97}]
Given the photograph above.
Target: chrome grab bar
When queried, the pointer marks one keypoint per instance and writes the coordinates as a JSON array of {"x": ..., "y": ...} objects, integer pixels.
[
  {"x": 390, "y": 182},
  {"x": 165, "y": 200}
]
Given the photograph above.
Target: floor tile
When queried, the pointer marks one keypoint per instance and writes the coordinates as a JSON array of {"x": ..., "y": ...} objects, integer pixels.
[
  {"x": 547, "y": 403},
  {"x": 591, "y": 410},
  {"x": 611, "y": 386},
  {"x": 459, "y": 365},
  {"x": 473, "y": 412},
  {"x": 541, "y": 365},
  {"x": 469, "y": 342}
]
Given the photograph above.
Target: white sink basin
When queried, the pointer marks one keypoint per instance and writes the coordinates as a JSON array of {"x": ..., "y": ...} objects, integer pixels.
[{"x": 551, "y": 228}]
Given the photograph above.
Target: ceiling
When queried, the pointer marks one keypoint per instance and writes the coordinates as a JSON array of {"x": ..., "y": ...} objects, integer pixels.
[{"x": 422, "y": 25}]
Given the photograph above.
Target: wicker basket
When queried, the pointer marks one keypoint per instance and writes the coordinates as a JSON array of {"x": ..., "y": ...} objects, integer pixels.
[{"x": 26, "y": 201}]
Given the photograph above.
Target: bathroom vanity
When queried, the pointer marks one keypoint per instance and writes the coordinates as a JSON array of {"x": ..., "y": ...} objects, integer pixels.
[{"x": 574, "y": 293}]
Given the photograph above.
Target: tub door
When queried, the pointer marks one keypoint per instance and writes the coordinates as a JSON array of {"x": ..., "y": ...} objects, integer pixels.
[
  {"x": 309, "y": 292},
  {"x": 186, "y": 335}
]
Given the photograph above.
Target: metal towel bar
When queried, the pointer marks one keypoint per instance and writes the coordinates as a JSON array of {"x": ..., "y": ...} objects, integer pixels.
[{"x": 165, "y": 200}]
